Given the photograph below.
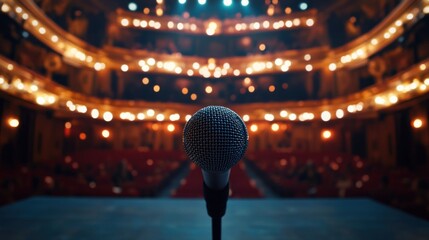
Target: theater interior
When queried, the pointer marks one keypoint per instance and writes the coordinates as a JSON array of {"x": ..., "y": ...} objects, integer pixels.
[{"x": 95, "y": 95}]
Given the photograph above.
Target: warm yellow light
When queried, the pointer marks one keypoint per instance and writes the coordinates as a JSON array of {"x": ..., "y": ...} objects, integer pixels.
[
  {"x": 254, "y": 128},
  {"x": 246, "y": 118},
  {"x": 251, "y": 89},
  {"x": 185, "y": 91},
  {"x": 105, "y": 133},
  {"x": 150, "y": 112},
  {"x": 417, "y": 123},
  {"x": 339, "y": 113},
  {"x": 422, "y": 67},
  {"x": 309, "y": 22},
  {"x": 275, "y": 127},
  {"x": 174, "y": 117},
  {"x": 160, "y": 117},
  {"x": 247, "y": 81},
  {"x": 393, "y": 99},
  {"x": 308, "y": 67},
  {"x": 307, "y": 57},
  {"x": 141, "y": 116},
  {"x": 296, "y": 21},
  {"x": 124, "y": 68},
  {"x": 125, "y": 22},
  {"x": 156, "y": 88},
  {"x": 107, "y": 116},
  {"x": 54, "y": 38},
  {"x": 326, "y": 134},
  {"x": 68, "y": 125},
  {"x": 5, "y": 8},
  {"x": 283, "y": 113},
  {"x": 145, "y": 81},
  {"x": 326, "y": 116},
  {"x": 146, "y": 11},
  {"x": 332, "y": 67},
  {"x": 271, "y": 88},
  {"x": 209, "y": 89},
  {"x": 262, "y": 47},
  {"x": 194, "y": 96},
  {"x": 94, "y": 113},
  {"x": 170, "y": 127},
  {"x": 292, "y": 116},
  {"x": 42, "y": 30},
  {"x": 99, "y": 66},
  {"x": 269, "y": 117},
  {"x": 159, "y": 11},
  {"x": 82, "y": 136},
  {"x": 13, "y": 122},
  {"x": 187, "y": 117},
  {"x": 270, "y": 10},
  {"x": 288, "y": 10}
]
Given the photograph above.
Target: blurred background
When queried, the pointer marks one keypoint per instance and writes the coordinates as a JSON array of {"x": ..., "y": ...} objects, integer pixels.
[{"x": 94, "y": 96}]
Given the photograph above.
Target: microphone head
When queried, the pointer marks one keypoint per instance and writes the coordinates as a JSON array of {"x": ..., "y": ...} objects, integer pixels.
[{"x": 215, "y": 138}]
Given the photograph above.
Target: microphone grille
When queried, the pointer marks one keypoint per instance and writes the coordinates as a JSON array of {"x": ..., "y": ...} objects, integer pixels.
[{"x": 215, "y": 138}]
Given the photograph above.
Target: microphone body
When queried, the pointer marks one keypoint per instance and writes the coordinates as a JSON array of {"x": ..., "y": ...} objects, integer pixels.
[
  {"x": 215, "y": 138},
  {"x": 216, "y": 180}
]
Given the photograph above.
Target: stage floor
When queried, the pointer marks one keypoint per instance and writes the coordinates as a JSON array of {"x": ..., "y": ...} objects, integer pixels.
[{"x": 169, "y": 219}]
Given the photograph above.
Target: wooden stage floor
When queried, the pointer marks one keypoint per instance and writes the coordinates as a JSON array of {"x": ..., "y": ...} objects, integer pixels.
[{"x": 169, "y": 219}]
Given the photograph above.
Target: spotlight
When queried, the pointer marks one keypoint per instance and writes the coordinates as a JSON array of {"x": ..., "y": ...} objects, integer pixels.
[
  {"x": 227, "y": 2},
  {"x": 132, "y": 6},
  {"x": 202, "y": 2},
  {"x": 303, "y": 6},
  {"x": 182, "y": 1},
  {"x": 244, "y": 3}
]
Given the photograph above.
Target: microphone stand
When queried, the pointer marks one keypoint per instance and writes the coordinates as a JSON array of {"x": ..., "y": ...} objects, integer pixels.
[
  {"x": 216, "y": 228},
  {"x": 216, "y": 207}
]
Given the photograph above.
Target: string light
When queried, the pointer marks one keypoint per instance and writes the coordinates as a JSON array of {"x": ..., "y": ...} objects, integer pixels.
[
  {"x": 107, "y": 116},
  {"x": 417, "y": 123},
  {"x": 209, "y": 89},
  {"x": 275, "y": 127},
  {"x": 326, "y": 134},
  {"x": 170, "y": 127},
  {"x": 105, "y": 133},
  {"x": 254, "y": 128},
  {"x": 246, "y": 118},
  {"x": 13, "y": 122}
]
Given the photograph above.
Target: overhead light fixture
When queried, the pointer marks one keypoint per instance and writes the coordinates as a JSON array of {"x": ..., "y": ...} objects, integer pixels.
[
  {"x": 227, "y": 2},
  {"x": 132, "y": 6},
  {"x": 303, "y": 6},
  {"x": 244, "y": 3},
  {"x": 202, "y": 2}
]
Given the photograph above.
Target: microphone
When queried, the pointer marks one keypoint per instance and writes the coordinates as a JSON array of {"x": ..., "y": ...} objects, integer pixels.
[{"x": 215, "y": 139}]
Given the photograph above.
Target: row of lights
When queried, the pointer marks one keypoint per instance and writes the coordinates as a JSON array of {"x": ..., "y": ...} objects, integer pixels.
[
  {"x": 40, "y": 96},
  {"x": 227, "y": 3},
  {"x": 211, "y": 69},
  {"x": 149, "y": 114},
  {"x": 13, "y": 122},
  {"x": 209, "y": 89},
  {"x": 385, "y": 99},
  {"x": 381, "y": 100},
  {"x": 392, "y": 32},
  {"x": 212, "y": 27}
]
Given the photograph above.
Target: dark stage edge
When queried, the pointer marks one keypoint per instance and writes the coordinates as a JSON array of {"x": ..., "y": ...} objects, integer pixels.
[{"x": 115, "y": 218}]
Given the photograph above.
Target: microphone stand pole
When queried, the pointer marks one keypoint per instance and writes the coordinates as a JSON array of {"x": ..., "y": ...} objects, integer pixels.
[
  {"x": 216, "y": 228},
  {"x": 216, "y": 207}
]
